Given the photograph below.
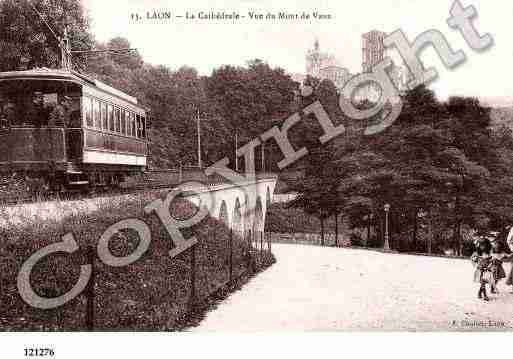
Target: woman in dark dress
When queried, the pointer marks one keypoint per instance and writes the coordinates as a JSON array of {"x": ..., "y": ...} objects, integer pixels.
[
  {"x": 498, "y": 257},
  {"x": 509, "y": 278},
  {"x": 481, "y": 259}
]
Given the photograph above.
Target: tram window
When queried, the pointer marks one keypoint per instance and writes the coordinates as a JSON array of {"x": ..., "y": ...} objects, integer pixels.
[
  {"x": 96, "y": 114},
  {"x": 138, "y": 125},
  {"x": 131, "y": 130},
  {"x": 7, "y": 111},
  {"x": 73, "y": 104},
  {"x": 88, "y": 111},
  {"x": 3, "y": 117},
  {"x": 143, "y": 125},
  {"x": 123, "y": 122},
  {"x": 110, "y": 119},
  {"x": 38, "y": 103},
  {"x": 117, "y": 125},
  {"x": 127, "y": 122},
  {"x": 134, "y": 127},
  {"x": 132, "y": 124},
  {"x": 104, "y": 116}
]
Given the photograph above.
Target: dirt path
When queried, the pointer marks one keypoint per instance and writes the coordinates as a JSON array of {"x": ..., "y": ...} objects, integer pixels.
[{"x": 319, "y": 288}]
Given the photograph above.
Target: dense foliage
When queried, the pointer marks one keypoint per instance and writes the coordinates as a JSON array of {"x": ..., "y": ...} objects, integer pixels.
[
  {"x": 245, "y": 100},
  {"x": 153, "y": 293},
  {"x": 27, "y": 42},
  {"x": 445, "y": 168},
  {"x": 444, "y": 172}
]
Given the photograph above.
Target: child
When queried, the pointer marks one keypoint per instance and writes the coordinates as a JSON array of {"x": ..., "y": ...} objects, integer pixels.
[
  {"x": 509, "y": 241},
  {"x": 509, "y": 280},
  {"x": 497, "y": 257},
  {"x": 482, "y": 259}
]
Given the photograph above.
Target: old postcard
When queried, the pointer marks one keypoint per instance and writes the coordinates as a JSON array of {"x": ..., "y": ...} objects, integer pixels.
[{"x": 250, "y": 166}]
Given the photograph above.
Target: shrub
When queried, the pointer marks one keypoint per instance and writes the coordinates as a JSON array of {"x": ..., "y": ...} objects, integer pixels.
[
  {"x": 151, "y": 294},
  {"x": 356, "y": 240}
]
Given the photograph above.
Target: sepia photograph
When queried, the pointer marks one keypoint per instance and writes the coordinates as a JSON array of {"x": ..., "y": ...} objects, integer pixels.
[{"x": 174, "y": 169}]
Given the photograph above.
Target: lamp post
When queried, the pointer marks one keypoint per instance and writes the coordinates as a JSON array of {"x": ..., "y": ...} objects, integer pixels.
[{"x": 387, "y": 245}]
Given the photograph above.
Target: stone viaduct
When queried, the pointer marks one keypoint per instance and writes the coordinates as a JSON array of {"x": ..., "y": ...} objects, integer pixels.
[{"x": 241, "y": 206}]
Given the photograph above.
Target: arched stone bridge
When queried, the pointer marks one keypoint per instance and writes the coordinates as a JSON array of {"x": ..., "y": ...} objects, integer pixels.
[{"x": 241, "y": 206}]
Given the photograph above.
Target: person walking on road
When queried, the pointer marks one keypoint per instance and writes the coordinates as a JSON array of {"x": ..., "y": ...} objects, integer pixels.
[
  {"x": 481, "y": 259},
  {"x": 498, "y": 257}
]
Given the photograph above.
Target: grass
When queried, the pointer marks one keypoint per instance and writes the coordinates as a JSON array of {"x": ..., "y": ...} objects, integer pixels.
[
  {"x": 151, "y": 294},
  {"x": 13, "y": 188}
]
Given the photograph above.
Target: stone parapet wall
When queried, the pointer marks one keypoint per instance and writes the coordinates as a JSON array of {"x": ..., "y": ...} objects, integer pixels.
[{"x": 310, "y": 238}]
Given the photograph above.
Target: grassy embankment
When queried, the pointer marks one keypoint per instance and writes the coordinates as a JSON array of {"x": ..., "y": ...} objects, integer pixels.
[{"x": 151, "y": 294}]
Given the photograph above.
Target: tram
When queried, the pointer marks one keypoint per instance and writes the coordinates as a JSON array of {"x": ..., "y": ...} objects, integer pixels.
[{"x": 69, "y": 131}]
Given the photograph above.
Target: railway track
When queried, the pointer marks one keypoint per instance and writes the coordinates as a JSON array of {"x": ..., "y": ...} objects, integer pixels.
[
  {"x": 71, "y": 196},
  {"x": 151, "y": 180},
  {"x": 138, "y": 187}
]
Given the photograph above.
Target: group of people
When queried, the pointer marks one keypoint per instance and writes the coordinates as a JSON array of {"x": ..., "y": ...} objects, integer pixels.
[
  {"x": 62, "y": 112},
  {"x": 488, "y": 260}
]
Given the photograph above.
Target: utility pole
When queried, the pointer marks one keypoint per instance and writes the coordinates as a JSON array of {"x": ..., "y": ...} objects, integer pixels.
[
  {"x": 64, "y": 44},
  {"x": 263, "y": 156},
  {"x": 236, "y": 146},
  {"x": 199, "y": 140}
]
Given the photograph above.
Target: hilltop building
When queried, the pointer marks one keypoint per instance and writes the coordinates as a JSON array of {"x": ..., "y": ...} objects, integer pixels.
[
  {"x": 325, "y": 66},
  {"x": 373, "y": 52}
]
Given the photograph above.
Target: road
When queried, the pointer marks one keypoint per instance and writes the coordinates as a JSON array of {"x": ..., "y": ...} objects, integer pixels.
[{"x": 314, "y": 288}]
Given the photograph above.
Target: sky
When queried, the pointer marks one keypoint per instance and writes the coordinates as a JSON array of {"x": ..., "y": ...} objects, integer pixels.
[{"x": 205, "y": 44}]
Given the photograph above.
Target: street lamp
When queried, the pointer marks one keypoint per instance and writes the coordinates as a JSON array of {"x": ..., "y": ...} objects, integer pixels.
[{"x": 387, "y": 245}]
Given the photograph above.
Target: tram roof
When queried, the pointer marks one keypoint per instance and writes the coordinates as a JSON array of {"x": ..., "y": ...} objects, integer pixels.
[{"x": 54, "y": 74}]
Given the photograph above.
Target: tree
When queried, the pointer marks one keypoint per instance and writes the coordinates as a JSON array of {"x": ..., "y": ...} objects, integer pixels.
[
  {"x": 318, "y": 189},
  {"x": 26, "y": 41},
  {"x": 131, "y": 61},
  {"x": 438, "y": 166},
  {"x": 249, "y": 100}
]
